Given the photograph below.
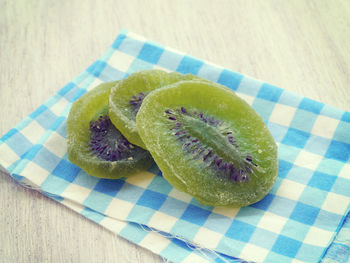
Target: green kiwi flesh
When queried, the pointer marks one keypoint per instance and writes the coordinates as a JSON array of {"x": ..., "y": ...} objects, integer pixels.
[
  {"x": 127, "y": 96},
  {"x": 209, "y": 143},
  {"x": 95, "y": 145}
]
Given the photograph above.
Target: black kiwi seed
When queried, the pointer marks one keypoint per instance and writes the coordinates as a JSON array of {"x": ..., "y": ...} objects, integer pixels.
[{"x": 189, "y": 126}]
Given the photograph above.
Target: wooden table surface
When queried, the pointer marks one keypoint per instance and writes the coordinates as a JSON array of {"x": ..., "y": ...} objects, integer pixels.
[{"x": 301, "y": 46}]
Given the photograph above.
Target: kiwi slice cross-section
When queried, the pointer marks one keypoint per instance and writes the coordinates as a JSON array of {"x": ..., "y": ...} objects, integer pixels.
[
  {"x": 95, "y": 145},
  {"x": 209, "y": 143},
  {"x": 127, "y": 96}
]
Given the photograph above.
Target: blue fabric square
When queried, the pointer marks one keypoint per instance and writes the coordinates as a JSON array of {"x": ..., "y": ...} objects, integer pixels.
[
  {"x": 46, "y": 119},
  {"x": 150, "y": 53},
  {"x": 130, "y": 192},
  {"x": 130, "y": 232},
  {"x": 18, "y": 143},
  {"x": 185, "y": 229},
  {"x": 210, "y": 72},
  {"x": 230, "y": 79},
  {"x": 325, "y": 220},
  {"x": 117, "y": 42},
  {"x": 230, "y": 246},
  {"x": 290, "y": 98},
  {"x": 212, "y": 223},
  {"x": 278, "y": 131},
  {"x": 98, "y": 201},
  {"x": 151, "y": 199},
  {"x": 342, "y": 187},
  {"x": 283, "y": 168},
  {"x": 288, "y": 153},
  {"x": 342, "y": 133},
  {"x": 282, "y": 206},
  {"x": 173, "y": 207},
  {"x": 346, "y": 117},
  {"x": 318, "y": 145},
  {"x": 249, "y": 86},
  {"x": 330, "y": 166},
  {"x": 172, "y": 251},
  {"x": 66, "y": 88},
  {"x": 305, "y": 214},
  {"x": 264, "y": 203},
  {"x": 92, "y": 215},
  {"x": 130, "y": 46},
  {"x": 8, "y": 135},
  {"x": 140, "y": 214},
  {"x": 138, "y": 65},
  {"x": 169, "y": 60},
  {"x": 240, "y": 231},
  {"x": 189, "y": 65},
  {"x": 66, "y": 170},
  {"x": 249, "y": 215},
  {"x": 54, "y": 185},
  {"x": 339, "y": 151},
  {"x": 110, "y": 74},
  {"x": 332, "y": 112},
  {"x": 86, "y": 180},
  {"x": 286, "y": 246},
  {"x": 303, "y": 120},
  {"x": 195, "y": 215},
  {"x": 38, "y": 111},
  {"x": 295, "y": 230},
  {"x": 334, "y": 254},
  {"x": 269, "y": 92},
  {"x": 96, "y": 68},
  {"x": 46, "y": 159},
  {"x": 296, "y": 138},
  {"x": 264, "y": 108},
  {"x": 309, "y": 253},
  {"x": 311, "y": 105},
  {"x": 313, "y": 196},
  {"x": 160, "y": 185},
  {"x": 322, "y": 181},
  {"x": 109, "y": 187},
  {"x": 263, "y": 238}
]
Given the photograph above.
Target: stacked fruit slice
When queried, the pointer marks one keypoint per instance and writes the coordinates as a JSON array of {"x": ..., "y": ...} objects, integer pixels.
[{"x": 206, "y": 141}]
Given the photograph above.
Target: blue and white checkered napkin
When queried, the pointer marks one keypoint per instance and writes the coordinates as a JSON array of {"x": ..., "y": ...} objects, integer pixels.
[{"x": 296, "y": 222}]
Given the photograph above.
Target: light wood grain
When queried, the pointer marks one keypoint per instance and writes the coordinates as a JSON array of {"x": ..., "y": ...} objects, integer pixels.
[{"x": 302, "y": 46}]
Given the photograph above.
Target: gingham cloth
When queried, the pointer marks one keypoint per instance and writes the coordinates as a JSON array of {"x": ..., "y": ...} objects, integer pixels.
[{"x": 296, "y": 222}]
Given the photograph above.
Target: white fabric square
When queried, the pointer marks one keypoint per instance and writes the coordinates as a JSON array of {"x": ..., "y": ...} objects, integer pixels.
[
  {"x": 290, "y": 189},
  {"x": 59, "y": 107},
  {"x": 335, "y": 203},
  {"x": 254, "y": 253},
  {"x": 174, "y": 193},
  {"x": 35, "y": 173},
  {"x": 318, "y": 237},
  {"x": 194, "y": 258},
  {"x": 282, "y": 114},
  {"x": 56, "y": 144},
  {"x": 119, "y": 208},
  {"x": 122, "y": 60},
  {"x": 156, "y": 242},
  {"x": 208, "y": 238},
  {"x": 113, "y": 225},
  {"x": 247, "y": 98},
  {"x": 76, "y": 192},
  {"x": 345, "y": 171},
  {"x": 325, "y": 126},
  {"x": 308, "y": 160},
  {"x": 226, "y": 211},
  {"x": 167, "y": 221},
  {"x": 142, "y": 179},
  {"x": 33, "y": 132},
  {"x": 272, "y": 222},
  {"x": 7, "y": 155}
]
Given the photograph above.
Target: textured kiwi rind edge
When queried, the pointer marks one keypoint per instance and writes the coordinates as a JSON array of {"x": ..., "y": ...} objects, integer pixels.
[
  {"x": 257, "y": 188},
  {"x": 83, "y": 110}
]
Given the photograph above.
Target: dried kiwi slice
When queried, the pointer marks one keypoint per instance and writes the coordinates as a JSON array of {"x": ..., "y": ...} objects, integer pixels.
[
  {"x": 95, "y": 145},
  {"x": 127, "y": 96},
  {"x": 209, "y": 143}
]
